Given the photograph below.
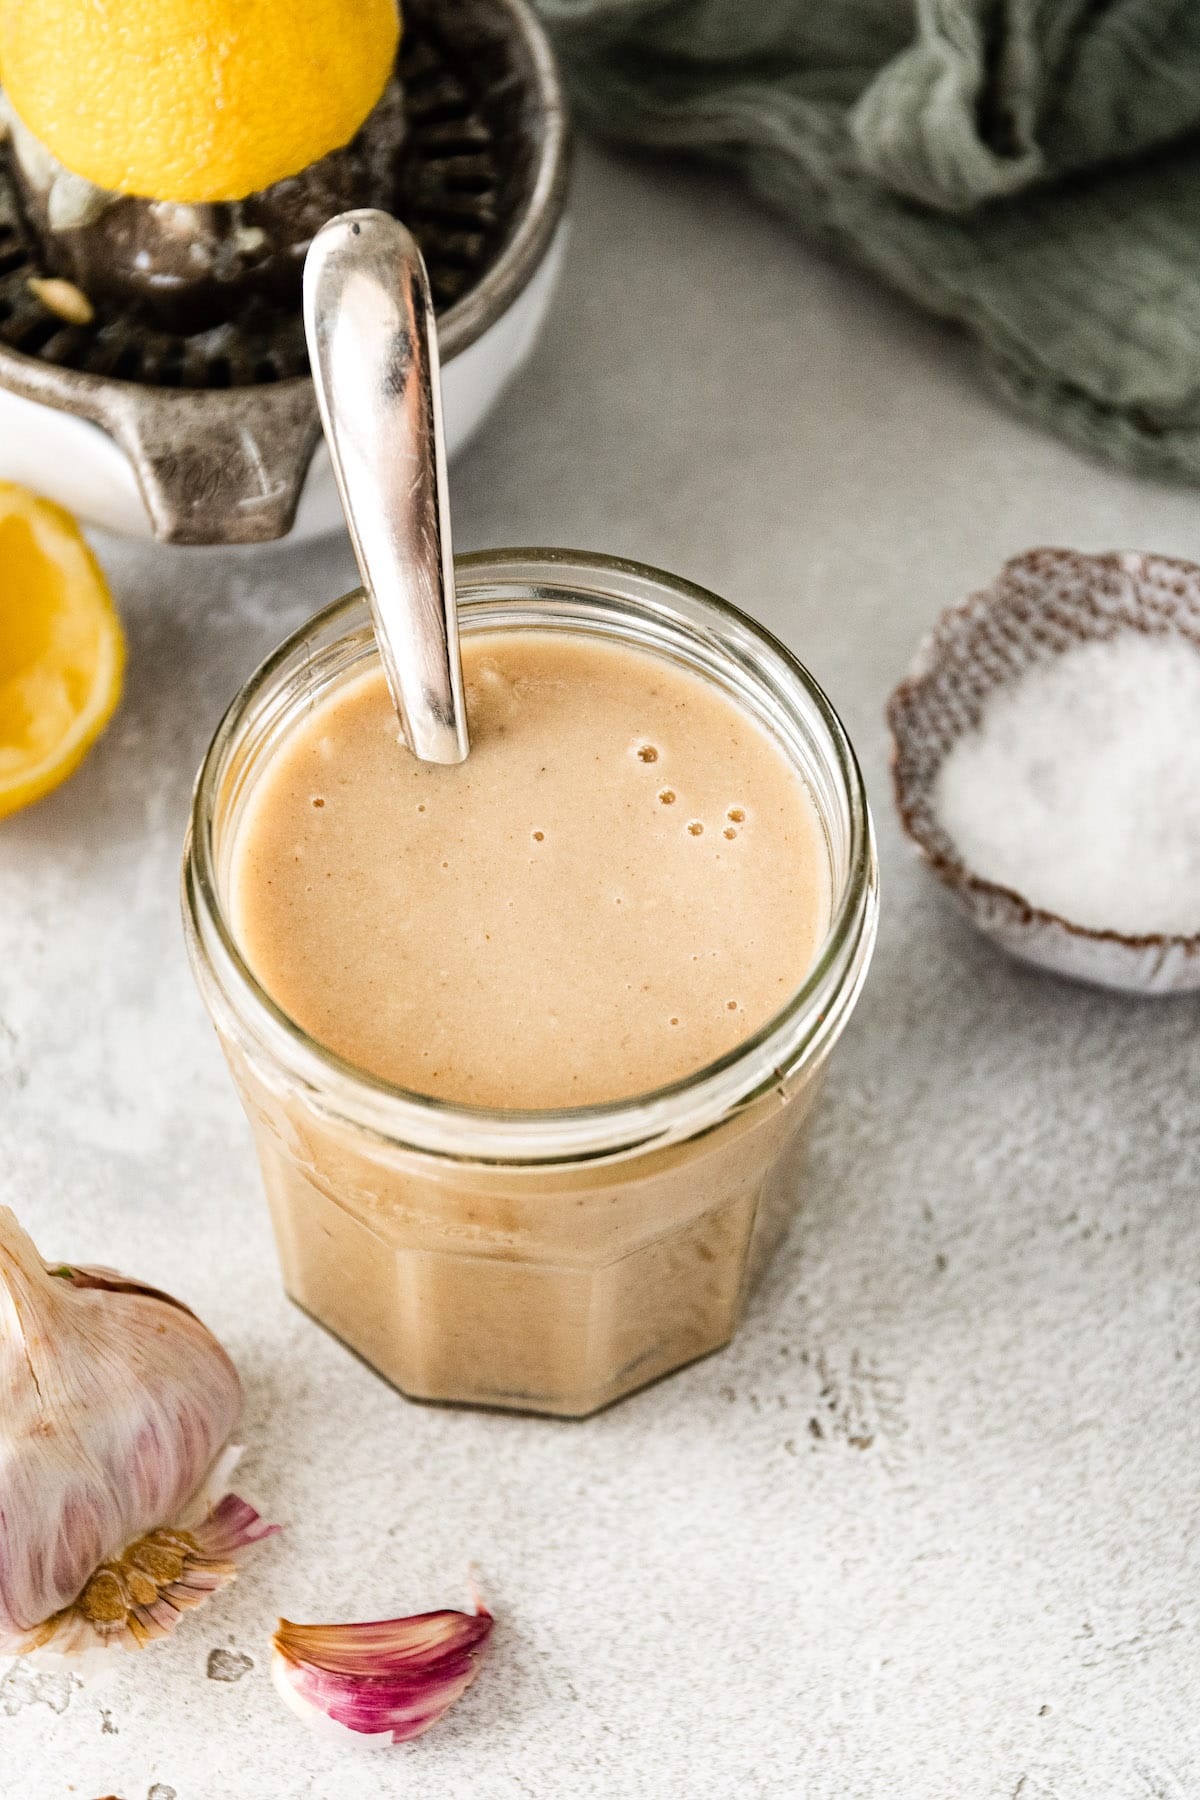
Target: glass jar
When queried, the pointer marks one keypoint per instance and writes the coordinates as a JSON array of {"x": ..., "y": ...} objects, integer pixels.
[{"x": 546, "y": 1261}]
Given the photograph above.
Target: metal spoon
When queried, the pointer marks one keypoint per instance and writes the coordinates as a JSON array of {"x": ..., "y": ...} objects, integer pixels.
[{"x": 372, "y": 342}]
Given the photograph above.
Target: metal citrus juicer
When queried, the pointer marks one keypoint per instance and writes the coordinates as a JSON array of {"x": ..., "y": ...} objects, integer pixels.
[
  {"x": 372, "y": 342},
  {"x": 181, "y": 410}
]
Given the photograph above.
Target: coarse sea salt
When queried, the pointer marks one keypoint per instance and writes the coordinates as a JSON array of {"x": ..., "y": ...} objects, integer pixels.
[{"x": 1080, "y": 786}]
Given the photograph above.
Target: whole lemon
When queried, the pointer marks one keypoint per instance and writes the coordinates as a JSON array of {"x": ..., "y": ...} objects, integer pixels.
[{"x": 194, "y": 100}]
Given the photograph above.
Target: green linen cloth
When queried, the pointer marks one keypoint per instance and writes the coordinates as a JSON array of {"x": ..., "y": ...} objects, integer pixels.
[{"x": 1029, "y": 169}]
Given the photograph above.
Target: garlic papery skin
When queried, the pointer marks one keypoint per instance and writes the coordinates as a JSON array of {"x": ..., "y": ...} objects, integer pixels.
[
  {"x": 380, "y": 1683},
  {"x": 140, "y": 1595},
  {"x": 115, "y": 1404}
]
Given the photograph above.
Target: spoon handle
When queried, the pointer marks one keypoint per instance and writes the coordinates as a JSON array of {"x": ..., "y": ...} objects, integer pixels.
[{"x": 372, "y": 342}]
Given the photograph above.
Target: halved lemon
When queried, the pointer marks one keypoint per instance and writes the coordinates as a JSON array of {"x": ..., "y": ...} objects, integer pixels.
[
  {"x": 61, "y": 647},
  {"x": 194, "y": 100}
]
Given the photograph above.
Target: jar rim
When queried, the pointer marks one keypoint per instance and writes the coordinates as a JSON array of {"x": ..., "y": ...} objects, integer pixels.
[{"x": 801, "y": 1029}]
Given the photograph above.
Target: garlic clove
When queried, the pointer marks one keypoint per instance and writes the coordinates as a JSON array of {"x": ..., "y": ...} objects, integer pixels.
[
  {"x": 118, "y": 1408},
  {"x": 379, "y": 1683}
]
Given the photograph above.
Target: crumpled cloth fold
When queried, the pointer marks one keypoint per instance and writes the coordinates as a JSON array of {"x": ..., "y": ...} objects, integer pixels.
[{"x": 1028, "y": 169}]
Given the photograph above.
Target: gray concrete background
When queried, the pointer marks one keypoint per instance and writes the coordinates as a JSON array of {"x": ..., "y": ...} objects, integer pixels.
[{"x": 928, "y": 1528}]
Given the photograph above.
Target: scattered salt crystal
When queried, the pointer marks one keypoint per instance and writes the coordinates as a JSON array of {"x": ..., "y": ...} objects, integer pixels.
[{"x": 1080, "y": 786}]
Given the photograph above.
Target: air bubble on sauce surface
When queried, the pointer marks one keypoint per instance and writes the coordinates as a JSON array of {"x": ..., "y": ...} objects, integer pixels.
[
  {"x": 488, "y": 677},
  {"x": 489, "y": 687}
]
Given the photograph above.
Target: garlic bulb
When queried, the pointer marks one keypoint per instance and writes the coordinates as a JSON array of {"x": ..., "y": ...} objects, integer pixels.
[
  {"x": 380, "y": 1683},
  {"x": 115, "y": 1406}
]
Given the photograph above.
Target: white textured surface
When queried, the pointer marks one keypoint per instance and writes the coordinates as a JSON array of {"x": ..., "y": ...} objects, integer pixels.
[{"x": 929, "y": 1528}]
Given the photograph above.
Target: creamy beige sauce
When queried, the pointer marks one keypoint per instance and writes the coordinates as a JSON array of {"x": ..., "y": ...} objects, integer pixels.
[{"x": 623, "y": 881}]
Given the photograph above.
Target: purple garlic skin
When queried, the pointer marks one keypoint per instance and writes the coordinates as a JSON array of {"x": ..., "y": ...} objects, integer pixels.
[
  {"x": 140, "y": 1596},
  {"x": 380, "y": 1683},
  {"x": 115, "y": 1405}
]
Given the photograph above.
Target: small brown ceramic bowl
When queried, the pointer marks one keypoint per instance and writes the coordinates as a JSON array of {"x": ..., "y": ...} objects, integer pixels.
[{"x": 1042, "y": 603}]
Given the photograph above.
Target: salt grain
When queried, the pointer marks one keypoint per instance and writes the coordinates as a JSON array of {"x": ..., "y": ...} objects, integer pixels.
[{"x": 1080, "y": 786}]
